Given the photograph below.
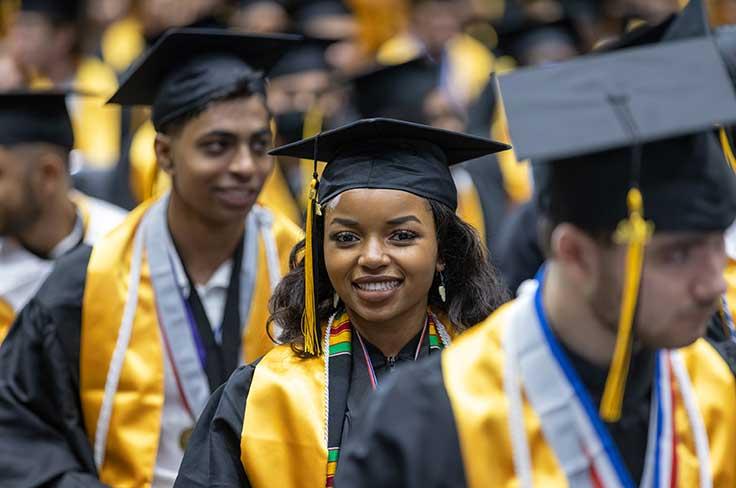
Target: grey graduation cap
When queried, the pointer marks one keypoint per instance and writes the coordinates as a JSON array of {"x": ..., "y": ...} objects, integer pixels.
[
  {"x": 584, "y": 118},
  {"x": 579, "y": 107}
]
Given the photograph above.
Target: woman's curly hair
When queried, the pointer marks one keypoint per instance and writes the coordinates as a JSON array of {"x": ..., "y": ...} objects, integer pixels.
[{"x": 473, "y": 287}]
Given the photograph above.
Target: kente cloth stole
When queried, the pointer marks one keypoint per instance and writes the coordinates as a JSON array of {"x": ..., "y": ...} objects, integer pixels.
[{"x": 338, "y": 372}]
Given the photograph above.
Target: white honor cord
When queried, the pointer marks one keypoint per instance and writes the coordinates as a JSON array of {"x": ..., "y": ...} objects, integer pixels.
[
  {"x": 121, "y": 346},
  {"x": 512, "y": 387},
  {"x": 265, "y": 223},
  {"x": 326, "y": 354},
  {"x": 702, "y": 448},
  {"x": 441, "y": 331}
]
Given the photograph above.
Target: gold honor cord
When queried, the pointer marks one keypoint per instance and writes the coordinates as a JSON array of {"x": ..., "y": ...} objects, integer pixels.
[
  {"x": 310, "y": 326},
  {"x": 635, "y": 232}
]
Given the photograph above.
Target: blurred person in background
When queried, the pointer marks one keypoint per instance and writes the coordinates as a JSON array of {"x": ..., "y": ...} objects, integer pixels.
[
  {"x": 304, "y": 98},
  {"x": 41, "y": 217},
  {"x": 530, "y": 41},
  {"x": 435, "y": 29},
  {"x": 45, "y": 39}
]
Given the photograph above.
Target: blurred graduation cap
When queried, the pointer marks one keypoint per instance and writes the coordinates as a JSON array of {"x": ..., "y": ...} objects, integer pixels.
[
  {"x": 691, "y": 22},
  {"x": 308, "y": 55},
  {"x": 28, "y": 116},
  {"x": 396, "y": 91},
  {"x": 626, "y": 143},
  {"x": 311, "y": 10},
  {"x": 323, "y": 17},
  {"x": 519, "y": 39},
  {"x": 378, "y": 153},
  {"x": 60, "y": 10},
  {"x": 187, "y": 68}
]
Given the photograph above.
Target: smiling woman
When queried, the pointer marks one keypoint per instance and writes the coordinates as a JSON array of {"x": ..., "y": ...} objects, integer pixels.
[{"x": 387, "y": 275}]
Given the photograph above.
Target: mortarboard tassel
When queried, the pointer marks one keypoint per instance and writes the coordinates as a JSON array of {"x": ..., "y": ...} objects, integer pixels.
[
  {"x": 726, "y": 146},
  {"x": 635, "y": 232},
  {"x": 310, "y": 327}
]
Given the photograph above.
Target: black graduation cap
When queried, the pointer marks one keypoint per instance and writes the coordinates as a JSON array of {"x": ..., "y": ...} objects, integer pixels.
[
  {"x": 35, "y": 117},
  {"x": 377, "y": 153},
  {"x": 309, "y": 55},
  {"x": 187, "y": 68},
  {"x": 61, "y": 10},
  {"x": 390, "y": 154},
  {"x": 396, "y": 91},
  {"x": 517, "y": 40},
  {"x": 307, "y": 11}
]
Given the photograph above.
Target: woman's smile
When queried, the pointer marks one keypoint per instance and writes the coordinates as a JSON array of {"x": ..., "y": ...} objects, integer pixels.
[{"x": 376, "y": 289}]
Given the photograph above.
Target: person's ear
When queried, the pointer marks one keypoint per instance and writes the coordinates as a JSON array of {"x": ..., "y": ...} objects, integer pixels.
[
  {"x": 578, "y": 254},
  {"x": 49, "y": 171},
  {"x": 164, "y": 153}
]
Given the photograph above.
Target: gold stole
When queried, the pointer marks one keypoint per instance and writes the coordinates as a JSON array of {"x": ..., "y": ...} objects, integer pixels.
[
  {"x": 730, "y": 275},
  {"x": 283, "y": 439},
  {"x": 480, "y": 408},
  {"x": 7, "y": 315},
  {"x": 132, "y": 440},
  {"x": 469, "y": 206}
]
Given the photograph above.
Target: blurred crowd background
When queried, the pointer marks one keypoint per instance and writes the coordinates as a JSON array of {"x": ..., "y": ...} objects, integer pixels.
[{"x": 427, "y": 61}]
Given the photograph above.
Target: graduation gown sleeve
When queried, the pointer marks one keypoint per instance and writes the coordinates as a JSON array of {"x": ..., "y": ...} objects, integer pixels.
[
  {"x": 390, "y": 449},
  {"x": 42, "y": 435},
  {"x": 213, "y": 455}
]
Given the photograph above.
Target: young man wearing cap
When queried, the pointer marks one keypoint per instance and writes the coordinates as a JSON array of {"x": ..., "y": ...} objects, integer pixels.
[
  {"x": 41, "y": 217},
  {"x": 114, "y": 359},
  {"x": 518, "y": 398}
]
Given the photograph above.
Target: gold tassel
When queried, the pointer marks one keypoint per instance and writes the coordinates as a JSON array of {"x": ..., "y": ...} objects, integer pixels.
[
  {"x": 726, "y": 146},
  {"x": 310, "y": 327},
  {"x": 635, "y": 232}
]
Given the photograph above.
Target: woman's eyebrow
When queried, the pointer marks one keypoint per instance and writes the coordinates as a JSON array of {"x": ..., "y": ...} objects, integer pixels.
[
  {"x": 345, "y": 222},
  {"x": 404, "y": 219}
]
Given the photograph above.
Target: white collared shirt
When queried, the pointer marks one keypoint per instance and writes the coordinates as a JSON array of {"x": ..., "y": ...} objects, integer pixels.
[{"x": 212, "y": 294}]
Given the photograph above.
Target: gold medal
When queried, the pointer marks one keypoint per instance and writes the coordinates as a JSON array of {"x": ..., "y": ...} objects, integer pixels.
[{"x": 184, "y": 437}]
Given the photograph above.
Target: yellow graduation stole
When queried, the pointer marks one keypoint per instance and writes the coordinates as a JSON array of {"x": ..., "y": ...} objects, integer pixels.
[
  {"x": 469, "y": 206},
  {"x": 481, "y": 410},
  {"x": 132, "y": 438},
  {"x": 7, "y": 315},
  {"x": 285, "y": 438}
]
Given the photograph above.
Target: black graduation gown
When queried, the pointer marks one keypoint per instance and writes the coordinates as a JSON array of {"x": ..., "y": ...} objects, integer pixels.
[
  {"x": 42, "y": 435},
  {"x": 213, "y": 455},
  {"x": 43, "y": 440}
]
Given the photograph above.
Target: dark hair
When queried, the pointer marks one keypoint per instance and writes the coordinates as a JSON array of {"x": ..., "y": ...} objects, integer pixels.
[
  {"x": 473, "y": 286},
  {"x": 248, "y": 87}
]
